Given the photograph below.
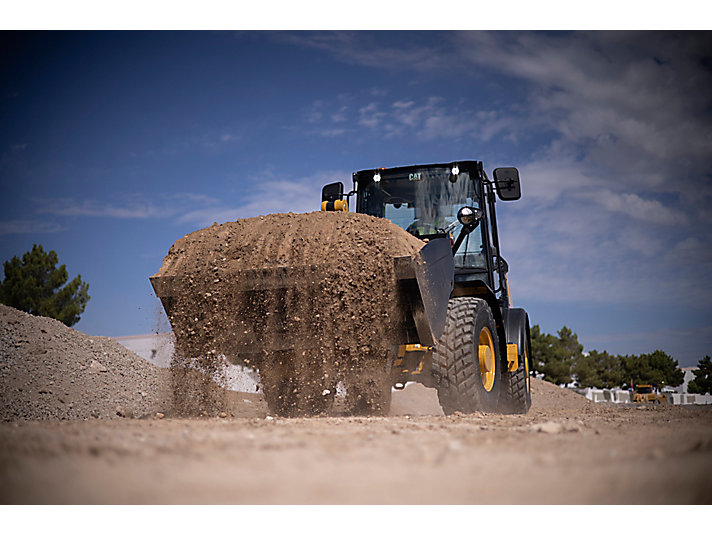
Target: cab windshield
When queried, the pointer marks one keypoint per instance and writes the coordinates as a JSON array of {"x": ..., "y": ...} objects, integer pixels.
[{"x": 425, "y": 202}]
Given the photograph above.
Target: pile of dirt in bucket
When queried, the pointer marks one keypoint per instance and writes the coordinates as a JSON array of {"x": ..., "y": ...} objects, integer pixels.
[
  {"x": 50, "y": 371},
  {"x": 308, "y": 299}
]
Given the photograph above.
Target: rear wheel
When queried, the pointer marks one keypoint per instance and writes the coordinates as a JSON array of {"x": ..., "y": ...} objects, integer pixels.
[
  {"x": 467, "y": 360},
  {"x": 516, "y": 386}
]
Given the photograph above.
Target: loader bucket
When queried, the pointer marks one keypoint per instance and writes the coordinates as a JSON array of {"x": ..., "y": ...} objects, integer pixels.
[
  {"x": 424, "y": 284},
  {"x": 309, "y": 300}
]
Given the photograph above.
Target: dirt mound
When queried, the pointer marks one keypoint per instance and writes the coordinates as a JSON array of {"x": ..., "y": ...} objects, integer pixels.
[
  {"x": 50, "y": 371},
  {"x": 308, "y": 299},
  {"x": 550, "y": 398}
]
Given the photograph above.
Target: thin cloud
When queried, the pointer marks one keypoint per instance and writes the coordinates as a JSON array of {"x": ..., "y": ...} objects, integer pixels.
[
  {"x": 632, "y": 205},
  {"x": 427, "y": 119},
  {"x": 608, "y": 92},
  {"x": 29, "y": 226},
  {"x": 72, "y": 207},
  {"x": 369, "y": 49},
  {"x": 295, "y": 196}
]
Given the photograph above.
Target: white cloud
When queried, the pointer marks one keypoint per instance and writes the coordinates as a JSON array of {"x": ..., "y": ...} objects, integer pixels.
[
  {"x": 134, "y": 208},
  {"x": 634, "y": 206},
  {"x": 29, "y": 226},
  {"x": 368, "y": 49},
  {"x": 426, "y": 119},
  {"x": 634, "y": 96},
  {"x": 269, "y": 195},
  {"x": 370, "y": 116}
]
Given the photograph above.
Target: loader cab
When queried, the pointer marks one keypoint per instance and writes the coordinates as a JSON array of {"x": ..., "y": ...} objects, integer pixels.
[{"x": 425, "y": 201}]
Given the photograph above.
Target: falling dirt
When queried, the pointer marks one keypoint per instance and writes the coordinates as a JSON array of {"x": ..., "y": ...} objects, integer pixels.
[{"x": 308, "y": 299}]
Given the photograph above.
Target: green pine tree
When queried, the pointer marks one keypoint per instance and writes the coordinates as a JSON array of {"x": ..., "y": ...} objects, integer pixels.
[
  {"x": 555, "y": 356},
  {"x": 35, "y": 284},
  {"x": 702, "y": 383},
  {"x": 599, "y": 370},
  {"x": 657, "y": 369}
]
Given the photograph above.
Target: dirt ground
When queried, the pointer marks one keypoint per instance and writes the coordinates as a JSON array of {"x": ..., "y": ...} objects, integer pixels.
[{"x": 565, "y": 451}]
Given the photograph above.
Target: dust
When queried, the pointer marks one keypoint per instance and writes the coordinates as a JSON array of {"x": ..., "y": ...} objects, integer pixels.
[{"x": 310, "y": 300}]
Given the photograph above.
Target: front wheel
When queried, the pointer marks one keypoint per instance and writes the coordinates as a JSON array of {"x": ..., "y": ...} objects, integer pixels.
[{"x": 467, "y": 360}]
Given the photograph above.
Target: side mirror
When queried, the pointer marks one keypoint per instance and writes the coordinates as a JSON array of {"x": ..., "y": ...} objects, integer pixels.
[
  {"x": 506, "y": 180},
  {"x": 331, "y": 192}
]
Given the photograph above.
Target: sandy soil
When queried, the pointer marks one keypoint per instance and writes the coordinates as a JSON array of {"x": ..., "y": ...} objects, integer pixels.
[{"x": 561, "y": 452}]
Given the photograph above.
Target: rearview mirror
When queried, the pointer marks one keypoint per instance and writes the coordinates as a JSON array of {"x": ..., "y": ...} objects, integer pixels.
[
  {"x": 506, "y": 180},
  {"x": 331, "y": 192}
]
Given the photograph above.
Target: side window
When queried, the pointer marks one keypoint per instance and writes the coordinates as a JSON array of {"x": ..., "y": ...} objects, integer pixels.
[{"x": 470, "y": 253}]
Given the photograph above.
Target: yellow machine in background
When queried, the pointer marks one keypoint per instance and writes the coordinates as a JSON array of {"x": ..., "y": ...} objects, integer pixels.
[{"x": 645, "y": 393}]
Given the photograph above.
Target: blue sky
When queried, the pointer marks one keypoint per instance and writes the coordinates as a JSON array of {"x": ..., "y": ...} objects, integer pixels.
[{"x": 115, "y": 144}]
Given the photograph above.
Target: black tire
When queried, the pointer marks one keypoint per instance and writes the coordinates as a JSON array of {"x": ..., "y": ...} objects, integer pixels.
[
  {"x": 463, "y": 385},
  {"x": 516, "y": 387}
]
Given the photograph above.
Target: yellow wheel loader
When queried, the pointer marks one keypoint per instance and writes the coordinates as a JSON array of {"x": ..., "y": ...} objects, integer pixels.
[
  {"x": 451, "y": 325},
  {"x": 646, "y": 394},
  {"x": 476, "y": 352}
]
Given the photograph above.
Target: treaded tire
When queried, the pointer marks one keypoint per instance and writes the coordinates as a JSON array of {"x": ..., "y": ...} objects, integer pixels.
[
  {"x": 456, "y": 367},
  {"x": 516, "y": 387}
]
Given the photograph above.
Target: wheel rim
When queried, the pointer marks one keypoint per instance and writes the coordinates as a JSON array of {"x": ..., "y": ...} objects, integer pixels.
[
  {"x": 526, "y": 368},
  {"x": 487, "y": 359}
]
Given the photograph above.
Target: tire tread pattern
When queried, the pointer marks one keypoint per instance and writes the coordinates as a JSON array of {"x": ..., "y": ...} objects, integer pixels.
[{"x": 455, "y": 368}]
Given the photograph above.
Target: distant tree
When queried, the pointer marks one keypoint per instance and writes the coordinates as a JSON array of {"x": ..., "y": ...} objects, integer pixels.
[
  {"x": 560, "y": 359},
  {"x": 656, "y": 368},
  {"x": 555, "y": 356},
  {"x": 599, "y": 370},
  {"x": 35, "y": 285},
  {"x": 702, "y": 383}
]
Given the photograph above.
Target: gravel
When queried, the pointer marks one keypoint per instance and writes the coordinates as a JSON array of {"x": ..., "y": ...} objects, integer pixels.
[{"x": 50, "y": 371}]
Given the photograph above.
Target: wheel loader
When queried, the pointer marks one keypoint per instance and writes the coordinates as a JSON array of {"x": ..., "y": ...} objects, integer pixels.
[
  {"x": 452, "y": 326},
  {"x": 646, "y": 394}
]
